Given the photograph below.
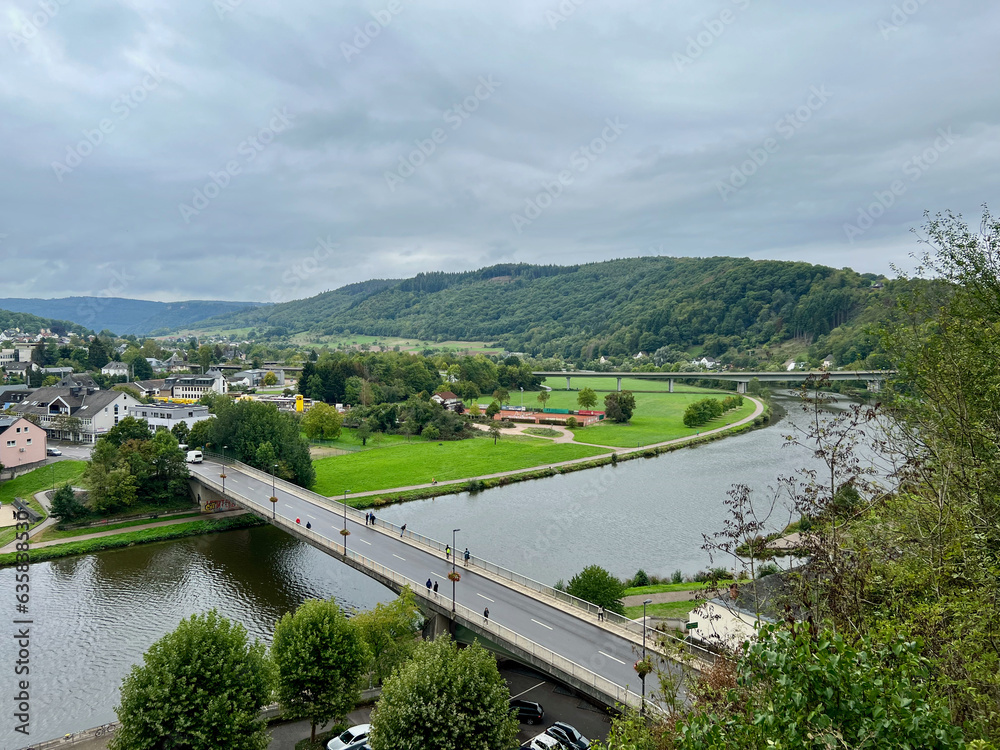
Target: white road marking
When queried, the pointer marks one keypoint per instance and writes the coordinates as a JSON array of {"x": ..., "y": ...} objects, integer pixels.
[
  {"x": 541, "y": 623},
  {"x": 612, "y": 657},
  {"x": 443, "y": 578},
  {"x": 525, "y": 692},
  {"x": 398, "y": 557},
  {"x": 484, "y": 597},
  {"x": 368, "y": 543}
]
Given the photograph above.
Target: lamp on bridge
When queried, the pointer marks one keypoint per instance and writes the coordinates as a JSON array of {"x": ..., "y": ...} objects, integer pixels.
[
  {"x": 274, "y": 496},
  {"x": 642, "y": 675},
  {"x": 454, "y": 574},
  {"x": 344, "y": 532}
]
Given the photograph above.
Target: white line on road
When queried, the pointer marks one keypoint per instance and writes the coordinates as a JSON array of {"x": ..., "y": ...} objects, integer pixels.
[
  {"x": 443, "y": 578},
  {"x": 612, "y": 657},
  {"x": 541, "y": 623},
  {"x": 484, "y": 597},
  {"x": 398, "y": 557},
  {"x": 368, "y": 543},
  {"x": 525, "y": 692}
]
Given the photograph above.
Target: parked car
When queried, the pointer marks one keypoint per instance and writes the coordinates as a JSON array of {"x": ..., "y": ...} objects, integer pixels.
[
  {"x": 53, "y": 452},
  {"x": 355, "y": 738},
  {"x": 528, "y": 712},
  {"x": 543, "y": 742},
  {"x": 568, "y": 735}
]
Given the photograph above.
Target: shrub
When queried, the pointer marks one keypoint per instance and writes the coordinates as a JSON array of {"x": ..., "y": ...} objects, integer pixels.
[
  {"x": 571, "y": 422},
  {"x": 640, "y": 578},
  {"x": 677, "y": 577},
  {"x": 767, "y": 569}
]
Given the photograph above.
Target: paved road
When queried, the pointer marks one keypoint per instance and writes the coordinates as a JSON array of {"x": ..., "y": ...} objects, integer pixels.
[{"x": 591, "y": 645}]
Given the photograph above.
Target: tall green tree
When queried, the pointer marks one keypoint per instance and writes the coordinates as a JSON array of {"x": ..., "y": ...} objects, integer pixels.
[
  {"x": 543, "y": 397},
  {"x": 619, "y": 406},
  {"x": 447, "y": 699},
  {"x": 586, "y": 398},
  {"x": 597, "y": 586},
  {"x": 201, "y": 686},
  {"x": 390, "y": 631},
  {"x": 322, "y": 421},
  {"x": 320, "y": 657}
]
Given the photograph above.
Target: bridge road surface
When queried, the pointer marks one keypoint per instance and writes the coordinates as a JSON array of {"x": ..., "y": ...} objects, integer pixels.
[{"x": 584, "y": 642}]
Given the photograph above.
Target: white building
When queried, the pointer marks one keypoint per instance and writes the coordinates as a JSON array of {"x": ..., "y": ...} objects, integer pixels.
[
  {"x": 97, "y": 411},
  {"x": 116, "y": 369},
  {"x": 165, "y": 416},
  {"x": 195, "y": 386}
]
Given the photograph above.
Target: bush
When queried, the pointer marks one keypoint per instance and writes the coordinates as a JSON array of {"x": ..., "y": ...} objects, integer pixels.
[
  {"x": 431, "y": 432},
  {"x": 767, "y": 569},
  {"x": 572, "y": 422},
  {"x": 640, "y": 578},
  {"x": 65, "y": 506},
  {"x": 677, "y": 577}
]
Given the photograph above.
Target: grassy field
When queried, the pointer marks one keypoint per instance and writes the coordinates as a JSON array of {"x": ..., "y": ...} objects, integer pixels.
[
  {"x": 666, "y": 609},
  {"x": 52, "y": 534},
  {"x": 658, "y": 417},
  {"x": 611, "y": 384},
  {"x": 26, "y": 485},
  {"x": 660, "y": 588},
  {"x": 421, "y": 461}
]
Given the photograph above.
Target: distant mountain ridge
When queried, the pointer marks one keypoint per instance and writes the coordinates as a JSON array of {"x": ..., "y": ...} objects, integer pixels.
[
  {"x": 124, "y": 316},
  {"x": 28, "y": 323},
  {"x": 612, "y": 308}
]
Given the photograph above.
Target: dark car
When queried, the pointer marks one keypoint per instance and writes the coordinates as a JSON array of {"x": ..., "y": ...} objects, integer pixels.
[
  {"x": 528, "y": 712},
  {"x": 568, "y": 735}
]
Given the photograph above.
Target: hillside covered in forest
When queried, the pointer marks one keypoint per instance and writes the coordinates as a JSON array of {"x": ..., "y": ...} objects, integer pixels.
[
  {"x": 613, "y": 308},
  {"x": 29, "y": 323}
]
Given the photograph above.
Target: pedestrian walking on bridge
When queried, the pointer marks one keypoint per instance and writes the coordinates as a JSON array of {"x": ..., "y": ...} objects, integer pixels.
[
  {"x": 486, "y": 615},
  {"x": 435, "y": 588},
  {"x": 447, "y": 552},
  {"x": 467, "y": 556},
  {"x": 428, "y": 585}
]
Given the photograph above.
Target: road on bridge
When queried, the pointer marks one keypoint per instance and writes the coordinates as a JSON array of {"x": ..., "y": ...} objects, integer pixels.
[{"x": 576, "y": 637}]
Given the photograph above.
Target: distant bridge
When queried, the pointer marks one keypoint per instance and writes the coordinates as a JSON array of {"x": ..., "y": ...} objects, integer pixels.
[
  {"x": 873, "y": 378},
  {"x": 535, "y": 624}
]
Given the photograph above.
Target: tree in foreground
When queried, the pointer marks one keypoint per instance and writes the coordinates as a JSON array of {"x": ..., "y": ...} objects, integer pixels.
[
  {"x": 495, "y": 431},
  {"x": 320, "y": 657},
  {"x": 597, "y": 586},
  {"x": 201, "y": 686},
  {"x": 390, "y": 631},
  {"x": 65, "y": 506},
  {"x": 321, "y": 421},
  {"x": 447, "y": 699}
]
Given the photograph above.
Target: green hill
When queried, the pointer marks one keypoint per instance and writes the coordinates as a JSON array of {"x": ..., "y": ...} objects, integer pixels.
[
  {"x": 609, "y": 308},
  {"x": 33, "y": 324}
]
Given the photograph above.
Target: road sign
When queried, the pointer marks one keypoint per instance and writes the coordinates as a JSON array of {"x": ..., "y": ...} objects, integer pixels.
[{"x": 691, "y": 626}]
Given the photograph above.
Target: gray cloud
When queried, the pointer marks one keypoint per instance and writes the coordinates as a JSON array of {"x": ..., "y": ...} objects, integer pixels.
[{"x": 146, "y": 104}]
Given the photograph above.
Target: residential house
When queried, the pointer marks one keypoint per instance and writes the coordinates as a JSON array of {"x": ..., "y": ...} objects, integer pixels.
[
  {"x": 195, "y": 386},
  {"x": 78, "y": 379},
  {"x": 116, "y": 369},
  {"x": 158, "y": 365},
  {"x": 708, "y": 362},
  {"x": 448, "y": 400},
  {"x": 148, "y": 388},
  {"x": 97, "y": 411},
  {"x": 21, "y": 442},
  {"x": 176, "y": 363},
  {"x": 640, "y": 355},
  {"x": 58, "y": 371},
  {"x": 21, "y": 368},
  {"x": 164, "y": 416},
  {"x": 12, "y": 394}
]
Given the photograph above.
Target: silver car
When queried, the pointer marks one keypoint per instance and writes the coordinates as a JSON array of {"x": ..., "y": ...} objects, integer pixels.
[{"x": 351, "y": 739}]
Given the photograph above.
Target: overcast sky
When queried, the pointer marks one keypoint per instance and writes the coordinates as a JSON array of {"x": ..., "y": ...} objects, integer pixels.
[{"x": 259, "y": 150}]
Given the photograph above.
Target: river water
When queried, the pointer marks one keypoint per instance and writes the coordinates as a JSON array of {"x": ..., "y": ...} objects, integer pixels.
[{"x": 94, "y": 616}]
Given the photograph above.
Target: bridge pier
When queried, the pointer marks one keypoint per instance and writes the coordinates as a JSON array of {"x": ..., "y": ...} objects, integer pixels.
[
  {"x": 567, "y": 382},
  {"x": 436, "y": 625},
  {"x": 741, "y": 386},
  {"x": 874, "y": 386},
  {"x": 670, "y": 385},
  {"x": 619, "y": 385}
]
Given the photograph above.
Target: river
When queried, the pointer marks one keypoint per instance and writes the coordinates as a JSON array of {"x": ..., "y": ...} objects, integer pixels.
[{"x": 94, "y": 616}]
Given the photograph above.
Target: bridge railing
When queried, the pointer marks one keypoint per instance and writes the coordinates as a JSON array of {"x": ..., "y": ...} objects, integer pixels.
[
  {"x": 632, "y": 626},
  {"x": 613, "y": 691}
]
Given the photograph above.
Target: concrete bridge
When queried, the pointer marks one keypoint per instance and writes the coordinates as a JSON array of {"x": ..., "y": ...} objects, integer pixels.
[
  {"x": 873, "y": 378},
  {"x": 533, "y": 623}
]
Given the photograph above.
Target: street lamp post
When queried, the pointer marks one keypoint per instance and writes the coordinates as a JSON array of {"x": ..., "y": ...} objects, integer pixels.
[
  {"x": 274, "y": 496},
  {"x": 344, "y": 532},
  {"x": 642, "y": 708},
  {"x": 454, "y": 575}
]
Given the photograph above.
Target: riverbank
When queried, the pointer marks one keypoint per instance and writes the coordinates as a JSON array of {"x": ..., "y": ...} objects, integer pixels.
[
  {"x": 147, "y": 534},
  {"x": 760, "y": 417}
]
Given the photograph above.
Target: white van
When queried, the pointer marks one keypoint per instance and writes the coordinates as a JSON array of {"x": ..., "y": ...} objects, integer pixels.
[{"x": 194, "y": 457}]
